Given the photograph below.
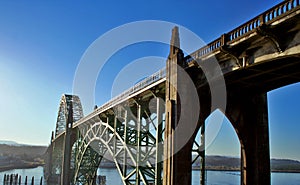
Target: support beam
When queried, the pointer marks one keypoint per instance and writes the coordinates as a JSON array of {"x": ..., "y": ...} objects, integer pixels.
[
  {"x": 126, "y": 142},
  {"x": 202, "y": 147},
  {"x": 138, "y": 154},
  {"x": 159, "y": 139},
  {"x": 249, "y": 115}
]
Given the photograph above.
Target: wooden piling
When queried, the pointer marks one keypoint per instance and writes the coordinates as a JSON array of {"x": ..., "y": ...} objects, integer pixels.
[
  {"x": 11, "y": 179},
  {"x": 32, "y": 181},
  {"x": 16, "y": 179}
]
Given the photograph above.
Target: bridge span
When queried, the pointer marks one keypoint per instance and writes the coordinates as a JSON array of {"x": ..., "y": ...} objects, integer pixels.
[{"x": 149, "y": 132}]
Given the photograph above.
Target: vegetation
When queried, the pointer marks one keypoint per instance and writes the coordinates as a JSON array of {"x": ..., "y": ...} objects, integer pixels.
[
  {"x": 233, "y": 164},
  {"x": 25, "y": 156},
  {"x": 21, "y": 156}
]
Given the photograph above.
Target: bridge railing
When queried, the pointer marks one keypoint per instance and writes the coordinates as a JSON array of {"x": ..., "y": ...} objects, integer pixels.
[
  {"x": 280, "y": 9},
  {"x": 114, "y": 101},
  {"x": 147, "y": 81},
  {"x": 209, "y": 48},
  {"x": 267, "y": 17}
]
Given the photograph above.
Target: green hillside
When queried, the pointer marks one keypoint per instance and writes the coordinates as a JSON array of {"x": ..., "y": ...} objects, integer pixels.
[{"x": 21, "y": 156}]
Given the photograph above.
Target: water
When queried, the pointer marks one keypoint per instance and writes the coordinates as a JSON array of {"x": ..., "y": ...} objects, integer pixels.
[
  {"x": 36, "y": 172},
  {"x": 214, "y": 177},
  {"x": 218, "y": 178}
]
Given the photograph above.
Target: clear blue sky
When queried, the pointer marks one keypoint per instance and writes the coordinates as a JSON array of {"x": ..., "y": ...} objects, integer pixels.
[{"x": 41, "y": 44}]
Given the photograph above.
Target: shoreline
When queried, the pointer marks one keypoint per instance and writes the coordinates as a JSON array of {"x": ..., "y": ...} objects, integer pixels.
[
  {"x": 22, "y": 166},
  {"x": 237, "y": 170},
  {"x": 29, "y": 166}
]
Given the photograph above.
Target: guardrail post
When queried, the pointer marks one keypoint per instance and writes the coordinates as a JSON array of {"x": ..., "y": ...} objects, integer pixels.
[
  {"x": 224, "y": 39},
  {"x": 262, "y": 19}
]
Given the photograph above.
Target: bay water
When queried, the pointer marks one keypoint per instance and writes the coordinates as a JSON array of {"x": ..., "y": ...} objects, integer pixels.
[{"x": 213, "y": 177}]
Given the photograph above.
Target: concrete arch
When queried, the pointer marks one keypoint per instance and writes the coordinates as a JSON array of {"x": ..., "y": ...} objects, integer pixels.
[
  {"x": 201, "y": 146},
  {"x": 248, "y": 114},
  {"x": 218, "y": 115}
]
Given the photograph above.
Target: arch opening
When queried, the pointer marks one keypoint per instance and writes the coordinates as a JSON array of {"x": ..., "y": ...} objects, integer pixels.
[{"x": 222, "y": 154}]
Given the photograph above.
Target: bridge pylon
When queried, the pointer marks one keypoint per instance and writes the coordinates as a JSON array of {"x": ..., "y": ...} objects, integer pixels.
[
  {"x": 249, "y": 116},
  {"x": 177, "y": 167},
  {"x": 65, "y": 175}
]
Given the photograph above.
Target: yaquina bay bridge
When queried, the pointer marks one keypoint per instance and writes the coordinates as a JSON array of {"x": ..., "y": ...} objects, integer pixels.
[{"x": 140, "y": 127}]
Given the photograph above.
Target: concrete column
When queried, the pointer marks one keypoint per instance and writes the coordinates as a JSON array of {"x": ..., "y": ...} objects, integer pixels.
[
  {"x": 49, "y": 160},
  {"x": 177, "y": 162},
  {"x": 65, "y": 175},
  {"x": 249, "y": 115}
]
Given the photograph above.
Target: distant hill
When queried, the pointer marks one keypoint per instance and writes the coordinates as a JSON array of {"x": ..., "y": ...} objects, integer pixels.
[
  {"x": 222, "y": 162},
  {"x": 233, "y": 163},
  {"x": 219, "y": 163},
  {"x": 13, "y": 143},
  {"x": 13, "y": 156},
  {"x": 22, "y": 150},
  {"x": 285, "y": 165},
  {"x": 4, "y": 142},
  {"x": 230, "y": 164}
]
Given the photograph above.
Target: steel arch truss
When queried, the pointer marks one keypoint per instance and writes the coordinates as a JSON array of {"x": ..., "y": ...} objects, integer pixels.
[
  {"x": 85, "y": 161},
  {"x": 133, "y": 138},
  {"x": 198, "y": 153},
  {"x": 65, "y": 104}
]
